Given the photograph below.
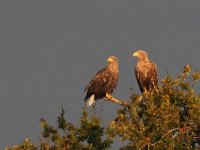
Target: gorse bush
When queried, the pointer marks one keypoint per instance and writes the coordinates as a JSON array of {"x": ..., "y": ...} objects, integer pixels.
[{"x": 167, "y": 118}]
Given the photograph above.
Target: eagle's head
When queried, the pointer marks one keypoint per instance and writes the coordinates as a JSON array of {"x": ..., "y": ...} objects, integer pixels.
[
  {"x": 113, "y": 64},
  {"x": 141, "y": 55},
  {"x": 112, "y": 59}
]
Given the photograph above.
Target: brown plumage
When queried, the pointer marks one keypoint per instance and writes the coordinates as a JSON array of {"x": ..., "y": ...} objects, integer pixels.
[
  {"x": 105, "y": 81},
  {"x": 145, "y": 72}
]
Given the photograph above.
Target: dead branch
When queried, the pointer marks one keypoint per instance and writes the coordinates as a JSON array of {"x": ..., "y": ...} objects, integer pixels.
[
  {"x": 170, "y": 131},
  {"x": 117, "y": 101}
]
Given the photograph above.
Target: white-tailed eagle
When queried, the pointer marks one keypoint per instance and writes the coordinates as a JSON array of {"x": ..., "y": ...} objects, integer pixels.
[
  {"x": 103, "y": 83},
  {"x": 145, "y": 72}
]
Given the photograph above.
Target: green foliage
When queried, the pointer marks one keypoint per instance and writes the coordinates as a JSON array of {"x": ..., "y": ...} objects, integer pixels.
[
  {"x": 167, "y": 118},
  {"x": 88, "y": 136},
  {"x": 26, "y": 145}
]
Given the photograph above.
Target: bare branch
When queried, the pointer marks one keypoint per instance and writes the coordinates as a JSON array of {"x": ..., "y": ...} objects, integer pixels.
[
  {"x": 170, "y": 131},
  {"x": 117, "y": 101}
]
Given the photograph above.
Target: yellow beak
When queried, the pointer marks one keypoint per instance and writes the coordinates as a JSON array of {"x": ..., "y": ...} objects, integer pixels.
[
  {"x": 109, "y": 59},
  {"x": 135, "y": 54}
]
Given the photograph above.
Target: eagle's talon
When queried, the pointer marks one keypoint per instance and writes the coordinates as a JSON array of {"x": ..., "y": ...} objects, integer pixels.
[{"x": 108, "y": 96}]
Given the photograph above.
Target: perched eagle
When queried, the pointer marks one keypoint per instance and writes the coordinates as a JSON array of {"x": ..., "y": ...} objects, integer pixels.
[
  {"x": 145, "y": 72},
  {"x": 104, "y": 82}
]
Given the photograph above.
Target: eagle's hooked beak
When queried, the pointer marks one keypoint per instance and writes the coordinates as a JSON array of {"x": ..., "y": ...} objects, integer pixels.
[
  {"x": 135, "y": 54},
  {"x": 109, "y": 60}
]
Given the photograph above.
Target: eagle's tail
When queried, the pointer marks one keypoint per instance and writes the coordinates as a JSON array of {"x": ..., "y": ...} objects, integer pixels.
[{"x": 90, "y": 101}]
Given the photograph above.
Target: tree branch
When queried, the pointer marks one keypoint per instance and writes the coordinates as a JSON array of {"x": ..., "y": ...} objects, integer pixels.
[
  {"x": 170, "y": 131},
  {"x": 117, "y": 101},
  {"x": 134, "y": 113}
]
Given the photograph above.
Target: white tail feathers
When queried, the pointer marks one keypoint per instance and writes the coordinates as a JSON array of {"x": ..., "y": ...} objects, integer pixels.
[{"x": 90, "y": 101}]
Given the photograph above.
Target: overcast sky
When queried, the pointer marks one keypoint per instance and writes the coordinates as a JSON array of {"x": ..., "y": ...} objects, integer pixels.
[{"x": 49, "y": 51}]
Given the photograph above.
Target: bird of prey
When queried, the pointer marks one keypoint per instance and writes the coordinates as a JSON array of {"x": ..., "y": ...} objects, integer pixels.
[
  {"x": 103, "y": 83},
  {"x": 145, "y": 72}
]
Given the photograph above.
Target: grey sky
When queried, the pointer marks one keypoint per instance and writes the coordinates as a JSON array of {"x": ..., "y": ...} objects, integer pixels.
[{"x": 49, "y": 50}]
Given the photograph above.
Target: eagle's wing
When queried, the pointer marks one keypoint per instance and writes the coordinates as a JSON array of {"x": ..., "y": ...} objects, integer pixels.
[
  {"x": 96, "y": 78},
  {"x": 154, "y": 75},
  {"x": 103, "y": 82},
  {"x": 146, "y": 75},
  {"x": 137, "y": 74}
]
